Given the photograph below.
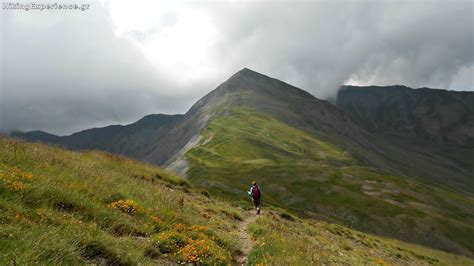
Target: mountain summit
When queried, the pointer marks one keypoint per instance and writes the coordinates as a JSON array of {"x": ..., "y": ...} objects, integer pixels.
[{"x": 162, "y": 139}]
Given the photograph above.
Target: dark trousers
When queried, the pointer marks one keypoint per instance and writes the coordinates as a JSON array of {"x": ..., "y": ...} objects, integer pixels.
[{"x": 256, "y": 203}]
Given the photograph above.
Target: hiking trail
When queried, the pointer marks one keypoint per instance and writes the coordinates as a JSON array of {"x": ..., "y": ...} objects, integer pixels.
[{"x": 245, "y": 238}]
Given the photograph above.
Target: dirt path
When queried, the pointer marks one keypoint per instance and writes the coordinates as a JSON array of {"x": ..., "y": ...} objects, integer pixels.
[{"x": 245, "y": 239}]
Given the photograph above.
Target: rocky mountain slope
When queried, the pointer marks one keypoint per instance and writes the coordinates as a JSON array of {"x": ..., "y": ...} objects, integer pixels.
[
  {"x": 427, "y": 115},
  {"x": 434, "y": 125}
]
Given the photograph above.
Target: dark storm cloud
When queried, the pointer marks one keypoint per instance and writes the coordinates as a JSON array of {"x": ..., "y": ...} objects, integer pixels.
[
  {"x": 321, "y": 45},
  {"x": 62, "y": 72}
]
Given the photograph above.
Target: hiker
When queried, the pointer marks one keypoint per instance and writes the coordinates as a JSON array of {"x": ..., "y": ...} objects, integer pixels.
[{"x": 255, "y": 193}]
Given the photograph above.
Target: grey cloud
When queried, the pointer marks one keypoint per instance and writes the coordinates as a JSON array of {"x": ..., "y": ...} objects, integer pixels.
[
  {"x": 62, "y": 73},
  {"x": 321, "y": 45}
]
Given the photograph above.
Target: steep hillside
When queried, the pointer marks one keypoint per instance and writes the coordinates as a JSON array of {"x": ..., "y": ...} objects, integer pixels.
[
  {"x": 62, "y": 207},
  {"x": 136, "y": 140},
  {"x": 435, "y": 126},
  {"x": 428, "y": 115}
]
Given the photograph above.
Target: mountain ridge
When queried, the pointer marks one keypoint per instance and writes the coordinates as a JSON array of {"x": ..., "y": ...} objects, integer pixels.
[{"x": 194, "y": 120}]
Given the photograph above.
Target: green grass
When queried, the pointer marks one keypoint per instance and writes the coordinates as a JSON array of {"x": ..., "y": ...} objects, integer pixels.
[
  {"x": 305, "y": 173},
  {"x": 59, "y": 207},
  {"x": 303, "y": 242},
  {"x": 55, "y": 208}
]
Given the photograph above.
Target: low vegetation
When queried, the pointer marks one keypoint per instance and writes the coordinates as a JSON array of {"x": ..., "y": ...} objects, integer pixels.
[
  {"x": 65, "y": 207},
  {"x": 303, "y": 242},
  {"x": 62, "y": 207}
]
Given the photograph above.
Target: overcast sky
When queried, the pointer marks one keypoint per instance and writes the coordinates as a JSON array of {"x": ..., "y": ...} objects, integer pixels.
[{"x": 63, "y": 71}]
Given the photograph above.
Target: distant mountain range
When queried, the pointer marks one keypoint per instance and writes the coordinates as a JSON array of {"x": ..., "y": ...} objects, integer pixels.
[{"x": 392, "y": 160}]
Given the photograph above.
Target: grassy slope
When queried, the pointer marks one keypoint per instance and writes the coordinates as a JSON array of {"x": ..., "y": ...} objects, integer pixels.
[
  {"x": 56, "y": 209},
  {"x": 308, "y": 175},
  {"x": 289, "y": 241}
]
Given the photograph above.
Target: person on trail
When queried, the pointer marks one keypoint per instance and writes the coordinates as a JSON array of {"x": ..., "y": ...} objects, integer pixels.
[{"x": 255, "y": 193}]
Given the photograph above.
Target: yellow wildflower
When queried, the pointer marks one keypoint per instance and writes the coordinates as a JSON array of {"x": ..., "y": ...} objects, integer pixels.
[{"x": 128, "y": 206}]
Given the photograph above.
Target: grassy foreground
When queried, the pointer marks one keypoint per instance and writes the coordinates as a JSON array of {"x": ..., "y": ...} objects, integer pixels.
[{"x": 62, "y": 207}]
